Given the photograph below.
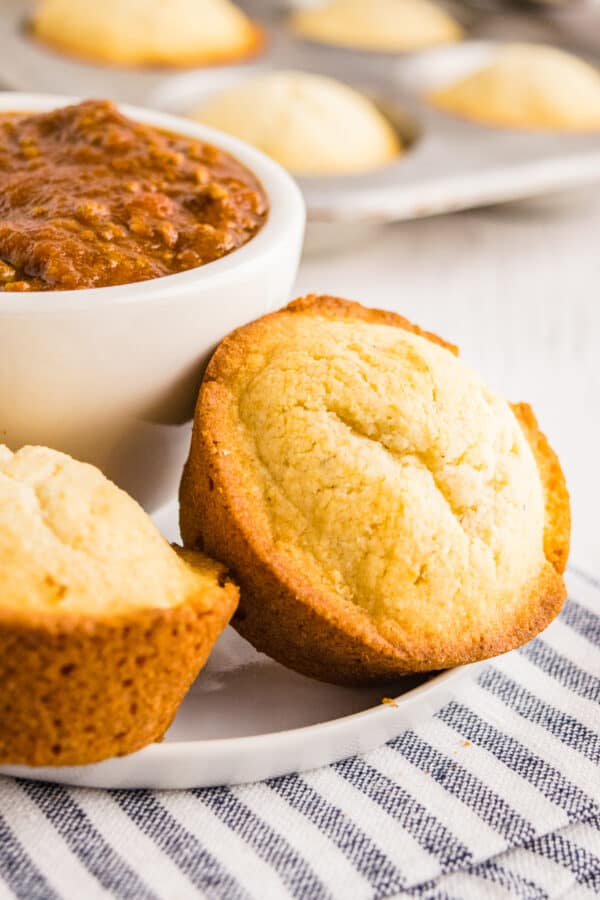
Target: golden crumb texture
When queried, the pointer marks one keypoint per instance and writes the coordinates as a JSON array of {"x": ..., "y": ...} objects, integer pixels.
[
  {"x": 148, "y": 32},
  {"x": 382, "y": 509},
  {"x": 103, "y": 625}
]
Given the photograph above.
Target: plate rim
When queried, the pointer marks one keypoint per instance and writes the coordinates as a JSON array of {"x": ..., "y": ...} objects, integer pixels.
[
  {"x": 440, "y": 679},
  {"x": 245, "y": 743}
]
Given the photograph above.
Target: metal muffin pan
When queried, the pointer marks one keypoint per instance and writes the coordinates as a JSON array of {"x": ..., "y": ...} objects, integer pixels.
[
  {"x": 28, "y": 65},
  {"x": 363, "y": 62},
  {"x": 450, "y": 163}
]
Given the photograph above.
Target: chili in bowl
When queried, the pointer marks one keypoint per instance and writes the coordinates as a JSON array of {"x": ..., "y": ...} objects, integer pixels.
[{"x": 131, "y": 242}]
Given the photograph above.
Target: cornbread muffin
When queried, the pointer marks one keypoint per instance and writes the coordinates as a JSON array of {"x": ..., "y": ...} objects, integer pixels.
[
  {"x": 384, "y": 25},
  {"x": 310, "y": 124},
  {"x": 148, "y": 32},
  {"x": 103, "y": 627},
  {"x": 527, "y": 86},
  {"x": 383, "y": 510}
]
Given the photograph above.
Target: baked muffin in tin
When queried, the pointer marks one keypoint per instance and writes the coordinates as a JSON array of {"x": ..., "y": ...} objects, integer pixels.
[
  {"x": 308, "y": 123},
  {"x": 392, "y": 26},
  {"x": 527, "y": 86},
  {"x": 148, "y": 32}
]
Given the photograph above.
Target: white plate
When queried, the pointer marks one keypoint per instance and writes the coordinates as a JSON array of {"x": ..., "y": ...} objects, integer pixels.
[{"x": 247, "y": 718}]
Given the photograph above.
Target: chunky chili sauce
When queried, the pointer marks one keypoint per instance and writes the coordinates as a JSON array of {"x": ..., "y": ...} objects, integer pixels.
[{"x": 90, "y": 198}]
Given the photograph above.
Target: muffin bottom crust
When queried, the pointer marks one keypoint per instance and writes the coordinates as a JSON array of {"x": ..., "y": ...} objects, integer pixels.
[{"x": 76, "y": 690}]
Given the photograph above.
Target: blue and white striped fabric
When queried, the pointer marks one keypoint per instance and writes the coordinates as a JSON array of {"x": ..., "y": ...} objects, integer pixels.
[{"x": 497, "y": 796}]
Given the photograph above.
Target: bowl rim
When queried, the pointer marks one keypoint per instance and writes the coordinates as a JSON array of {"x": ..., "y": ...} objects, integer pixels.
[{"x": 286, "y": 214}]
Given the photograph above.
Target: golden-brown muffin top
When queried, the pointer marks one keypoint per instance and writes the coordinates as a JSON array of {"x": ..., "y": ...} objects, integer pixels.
[
  {"x": 310, "y": 124},
  {"x": 73, "y": 543},
  {"x": 527, "y": 86},
  {"x": 147, "y": 32},
  {"x": 384, "y": 470},
  {"x": 384, "y": 25}
]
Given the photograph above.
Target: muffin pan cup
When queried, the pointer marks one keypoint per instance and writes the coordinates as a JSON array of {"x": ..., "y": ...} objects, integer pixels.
[
  {"x": 27, "y": 64},
  {"x": 450, "y": 163}
]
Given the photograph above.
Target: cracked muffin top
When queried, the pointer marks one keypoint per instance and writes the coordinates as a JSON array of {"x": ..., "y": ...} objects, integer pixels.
[
  {"x": 72, "y": 543},
  {"x": 368, "y": 467}
]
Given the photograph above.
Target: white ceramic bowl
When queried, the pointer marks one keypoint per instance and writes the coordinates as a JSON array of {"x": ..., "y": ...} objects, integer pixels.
[{"x": 110, "y": 375}]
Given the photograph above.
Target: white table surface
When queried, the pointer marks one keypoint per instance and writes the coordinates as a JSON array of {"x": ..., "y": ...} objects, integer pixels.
[{"x": 518, "y": 289}]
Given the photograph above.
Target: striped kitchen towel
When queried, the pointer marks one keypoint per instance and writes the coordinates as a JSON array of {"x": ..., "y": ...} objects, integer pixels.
[{"x": 497, "y": 796}]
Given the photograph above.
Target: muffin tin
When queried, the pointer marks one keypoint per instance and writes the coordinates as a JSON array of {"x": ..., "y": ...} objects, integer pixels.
[
  {"x": 331, "y": 57},
  {"x": 26, "y": 64},
  {"x": 450, "y": 163}
]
